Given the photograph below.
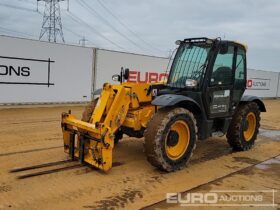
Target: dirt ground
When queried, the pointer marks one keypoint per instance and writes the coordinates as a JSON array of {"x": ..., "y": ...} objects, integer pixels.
[{"x": 31, "y": 136}]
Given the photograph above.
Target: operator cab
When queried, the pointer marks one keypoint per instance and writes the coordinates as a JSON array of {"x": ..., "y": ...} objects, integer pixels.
[
  {"x": 194, "y": 56},
  {"x": 209, "y": 75}
]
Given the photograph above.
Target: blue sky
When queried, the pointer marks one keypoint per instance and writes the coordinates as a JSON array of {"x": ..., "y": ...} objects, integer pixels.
[{"x": 152, "y": 26}]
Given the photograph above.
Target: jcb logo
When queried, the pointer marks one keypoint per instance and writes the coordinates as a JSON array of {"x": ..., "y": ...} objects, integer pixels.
[{"x": 146, "y": 77}]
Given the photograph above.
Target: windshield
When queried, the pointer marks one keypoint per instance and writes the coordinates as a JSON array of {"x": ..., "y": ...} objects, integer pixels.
[{"x": 189, "y": 63}]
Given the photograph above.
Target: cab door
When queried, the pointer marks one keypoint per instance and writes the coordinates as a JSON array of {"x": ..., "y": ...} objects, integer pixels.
[
  {"x": 239, "y": 76},
  {"x": 220, "y": 83}
]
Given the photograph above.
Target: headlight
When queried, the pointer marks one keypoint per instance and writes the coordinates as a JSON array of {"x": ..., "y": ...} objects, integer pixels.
[
  {"x": 191, "y": 83},
  {"x": 116, "y": 78}
]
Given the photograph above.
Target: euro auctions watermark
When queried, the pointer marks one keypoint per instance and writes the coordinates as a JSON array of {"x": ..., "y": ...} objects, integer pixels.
[{"x": 224, "y": 198}]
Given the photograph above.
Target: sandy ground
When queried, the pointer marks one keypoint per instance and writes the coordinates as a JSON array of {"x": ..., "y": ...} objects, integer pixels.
[
  {"x": 31, "y": 136},
  {"x": 271, "y": 119}
]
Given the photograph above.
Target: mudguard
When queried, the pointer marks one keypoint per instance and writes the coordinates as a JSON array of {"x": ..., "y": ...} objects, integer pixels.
[
  {"x": 249, "y": 98},
  {"x": 172, "y": 100}
]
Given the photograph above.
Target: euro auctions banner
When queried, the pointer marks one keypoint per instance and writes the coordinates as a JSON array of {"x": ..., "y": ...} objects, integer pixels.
[
  {"x": 262, "y": 83},
  {"x": 153, "y": 69},
  {"x": 144, "y": 77},
  {"x": 258, "y": 84},
  {"x": 41, "y": 72},
  {"x": 25, "y": 71},
  {"x": 142, "y": 68}
]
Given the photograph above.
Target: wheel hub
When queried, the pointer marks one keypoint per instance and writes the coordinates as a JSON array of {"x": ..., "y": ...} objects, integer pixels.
[
  {"x": 177, "y": 140},
  {"x": 245, "y": 124},
  {"x": 172, "y": 139},
  {"x": 249, "y": 126}
]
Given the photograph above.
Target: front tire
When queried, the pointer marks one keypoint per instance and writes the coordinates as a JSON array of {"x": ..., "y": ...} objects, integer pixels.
[
  {"x": 170, "y": 138},
  {"x": 244, "y": 127},
  {"x": 87, "y": 113}
]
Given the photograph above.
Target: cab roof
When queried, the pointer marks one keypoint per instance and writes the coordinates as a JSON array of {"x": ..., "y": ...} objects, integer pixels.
[{"x": 205, "y": 39}]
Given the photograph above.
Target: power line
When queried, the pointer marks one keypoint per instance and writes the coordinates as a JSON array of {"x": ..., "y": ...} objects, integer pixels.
[
  {"x": 26, "y": 1},
  {"x": 78, "y": 35},
  {"x": 16, "y": 32},
  {"x": 16, "y": 7},
  {"x": 94, "y": 12},
  {"x": 9, "y": 32},
  {"x": 12, "y": 32},
  {"x": 83, "y": 41},
  {"x": 125, "y": 26},
  {"x": 73, "y": 32},
  {"x": 80, "y": 21},
  {"x": 76, "y": 19}
]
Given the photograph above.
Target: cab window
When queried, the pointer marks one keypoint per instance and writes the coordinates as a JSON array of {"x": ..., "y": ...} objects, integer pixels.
[
  {"x": 222, "y": 69},
  {"x": 239, "y": 81}
]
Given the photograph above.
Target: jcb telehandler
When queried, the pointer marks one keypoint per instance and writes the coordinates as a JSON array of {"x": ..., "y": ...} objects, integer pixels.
[{"x": 202, "y": 97}]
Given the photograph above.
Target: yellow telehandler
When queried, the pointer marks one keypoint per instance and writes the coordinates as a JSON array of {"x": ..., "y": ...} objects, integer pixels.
[{"x": 202, "y": 97}]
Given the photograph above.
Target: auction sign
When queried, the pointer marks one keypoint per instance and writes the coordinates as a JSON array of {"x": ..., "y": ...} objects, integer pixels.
[{"x": 25, "y": 71}]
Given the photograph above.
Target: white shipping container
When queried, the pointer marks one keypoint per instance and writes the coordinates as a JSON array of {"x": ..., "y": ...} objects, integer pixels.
[
  {"x": 42, "y": 72},
  {"x": 146, "y": 68},
  {"x": 278, "y": 86},
  {"x": 142, "y": 68},
  {"x": 262, "y": 83},
  {"x": 39, "y": 72}
]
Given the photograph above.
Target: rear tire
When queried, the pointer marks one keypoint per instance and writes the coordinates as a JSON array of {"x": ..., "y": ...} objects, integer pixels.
[
  {"x": 170, "y": 138},
  {"x": 244, "y": 127}
]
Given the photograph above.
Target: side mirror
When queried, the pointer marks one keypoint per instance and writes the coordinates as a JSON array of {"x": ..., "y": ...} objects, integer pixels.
[
  {"x": 116, "y": 78},
  {"x": 126, "y": 74}
]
